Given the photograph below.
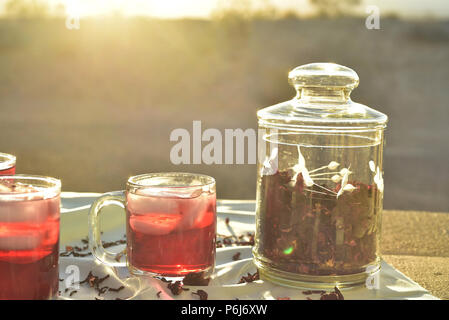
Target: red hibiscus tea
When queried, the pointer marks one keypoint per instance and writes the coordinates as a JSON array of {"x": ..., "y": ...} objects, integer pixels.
[
  {"x": 7, "y": 172},
  {"x": 29, "y": 237},
  {"x": 7, "y": 164},
  {"x": 171, "y": 235},
  {"x": 170, "y": 224}
]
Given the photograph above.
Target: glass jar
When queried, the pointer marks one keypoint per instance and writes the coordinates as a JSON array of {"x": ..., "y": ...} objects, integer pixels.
[{"x": 320, "y": 185}]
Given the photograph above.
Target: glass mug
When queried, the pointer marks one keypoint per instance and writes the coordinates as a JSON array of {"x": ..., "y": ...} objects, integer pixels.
[
  {"x": 170, "y": 224},
  {"x": 7, "y": 164},
  {"x": 29, "y": 237}
]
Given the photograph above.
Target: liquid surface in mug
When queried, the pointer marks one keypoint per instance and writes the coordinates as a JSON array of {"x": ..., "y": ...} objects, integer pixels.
[
  {"x": 8, "y": 171},
  {"x": 171, "y": 236},
  {"x": 29, "y": 246}
]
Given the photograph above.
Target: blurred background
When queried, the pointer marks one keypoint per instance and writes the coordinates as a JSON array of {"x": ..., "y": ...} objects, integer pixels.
[{"x": 96, "y": 104}]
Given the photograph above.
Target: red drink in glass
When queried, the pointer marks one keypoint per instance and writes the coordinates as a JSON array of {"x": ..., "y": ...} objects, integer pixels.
[
  {"x": 7, "y": 172},
  {"x": 170, "y": 224},
  {"x": 29, "y": 237},
  {"x": 7, "y": 164},
  {"x": 171, "y": 235}
]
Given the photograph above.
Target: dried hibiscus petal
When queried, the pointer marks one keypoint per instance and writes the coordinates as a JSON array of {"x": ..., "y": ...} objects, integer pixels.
[
  {"x": 336, "y": 295},
  {"x": 202, "y": 294},
  {"x": 309, "y": 230},
  {"x": 175, "y": 287},
  {"x": 250, "y": 277},
  {"x": 196, "y": 279}
]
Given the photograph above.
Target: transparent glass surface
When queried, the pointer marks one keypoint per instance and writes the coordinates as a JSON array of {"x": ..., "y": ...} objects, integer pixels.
[
  {"x": 29, "y": 237},
  {"x": 170, "y": 224},
  {"x": 7, "y": 164},
  {"x": 320, "y": 186}
]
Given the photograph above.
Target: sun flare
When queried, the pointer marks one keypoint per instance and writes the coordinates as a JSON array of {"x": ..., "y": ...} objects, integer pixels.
[{"x": 157, "y": 8}]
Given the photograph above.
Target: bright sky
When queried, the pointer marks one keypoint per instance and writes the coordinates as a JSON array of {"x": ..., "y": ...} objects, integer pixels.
[
  {"x": 203, "y": 8},
  {"x": 163, "y": 8}
]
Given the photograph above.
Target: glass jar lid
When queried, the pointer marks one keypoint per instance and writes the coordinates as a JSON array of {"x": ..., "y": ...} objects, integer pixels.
[{"x": 322, "y": 101}]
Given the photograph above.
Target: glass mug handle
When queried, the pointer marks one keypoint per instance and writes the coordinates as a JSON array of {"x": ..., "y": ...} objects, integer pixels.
[{"x": 116, "y": 198}]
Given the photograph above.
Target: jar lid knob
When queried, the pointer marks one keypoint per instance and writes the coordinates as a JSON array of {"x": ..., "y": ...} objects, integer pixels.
[{"x": 328, "y": 75}]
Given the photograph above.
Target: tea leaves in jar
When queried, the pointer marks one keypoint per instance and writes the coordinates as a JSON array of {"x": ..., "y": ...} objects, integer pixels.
[{"x": 318, "y": 226}]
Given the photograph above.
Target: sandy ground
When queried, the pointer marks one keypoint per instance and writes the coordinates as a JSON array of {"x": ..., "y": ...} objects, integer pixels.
[{"x": 417, "y": 243}]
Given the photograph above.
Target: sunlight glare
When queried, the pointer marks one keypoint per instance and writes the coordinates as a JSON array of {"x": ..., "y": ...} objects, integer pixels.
[{"x": 157, "y": 8}]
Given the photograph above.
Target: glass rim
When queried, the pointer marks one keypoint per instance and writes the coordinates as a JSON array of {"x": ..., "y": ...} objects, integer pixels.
[
  {"x": 7, "y": 160},
  {"x": 134, "y": 180},
  {"x": 53, "y": 187}
]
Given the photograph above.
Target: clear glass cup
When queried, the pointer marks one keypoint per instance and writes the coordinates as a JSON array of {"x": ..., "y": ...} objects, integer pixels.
[
  {"x": 170, "y": 224},
  {"x": 7, "y": 164},
  {"x": 29, "y": 237},
  {"x": 320, "y": 187}
]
